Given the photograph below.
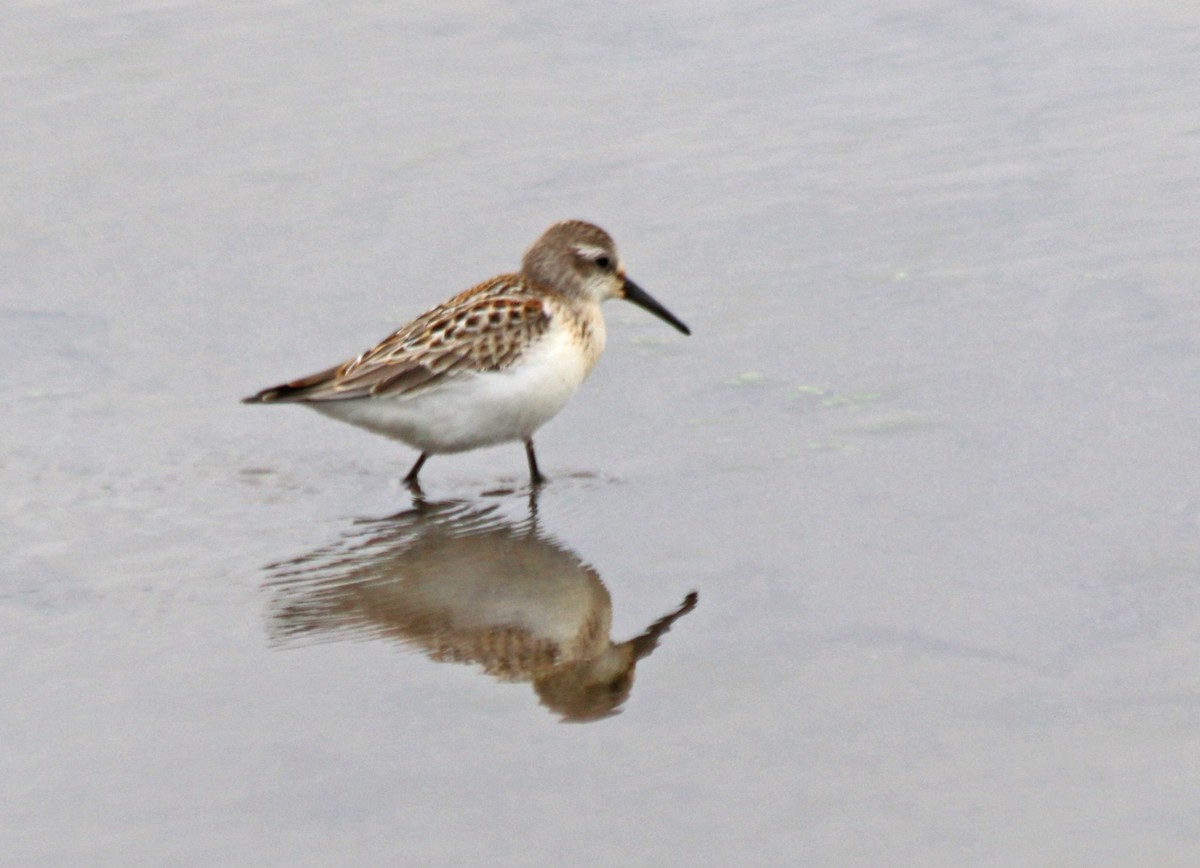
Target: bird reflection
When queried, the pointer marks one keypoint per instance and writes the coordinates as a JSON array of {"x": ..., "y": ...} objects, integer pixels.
[{"x": 462, "y": 584}]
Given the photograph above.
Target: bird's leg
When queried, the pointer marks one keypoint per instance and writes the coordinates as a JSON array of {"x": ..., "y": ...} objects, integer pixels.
[
  {"x": 535, "y": 475},
  {"x": 411, "y": 479},
  {"x": 534, "y": 491}
]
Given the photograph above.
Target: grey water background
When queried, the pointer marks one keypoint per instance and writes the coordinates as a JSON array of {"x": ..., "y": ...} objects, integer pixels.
[{"x": 930, "y": 459}]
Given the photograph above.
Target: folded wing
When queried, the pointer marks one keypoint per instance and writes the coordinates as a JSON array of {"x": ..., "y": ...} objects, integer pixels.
[{"x": 486, "y": 328}]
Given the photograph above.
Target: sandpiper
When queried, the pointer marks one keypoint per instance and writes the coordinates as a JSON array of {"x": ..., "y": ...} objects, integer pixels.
[{"x": 491, "y": 365}]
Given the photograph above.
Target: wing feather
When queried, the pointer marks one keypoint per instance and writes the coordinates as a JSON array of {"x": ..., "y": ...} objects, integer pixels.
[{"x": 486, "y": 328}]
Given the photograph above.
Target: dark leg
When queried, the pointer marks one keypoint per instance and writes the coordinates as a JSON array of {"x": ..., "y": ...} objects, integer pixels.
[
  {"x": 535, "y": 476},
  {"x": 411, "y": 479}
]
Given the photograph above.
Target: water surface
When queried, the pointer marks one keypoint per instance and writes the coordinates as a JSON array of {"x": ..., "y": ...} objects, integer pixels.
[{"x": 930, "y": 459}]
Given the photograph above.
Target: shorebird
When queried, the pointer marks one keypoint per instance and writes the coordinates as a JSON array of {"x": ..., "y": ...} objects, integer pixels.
[{"x": 489, "y": 366}]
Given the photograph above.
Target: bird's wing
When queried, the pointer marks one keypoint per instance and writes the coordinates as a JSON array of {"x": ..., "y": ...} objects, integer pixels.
[{"x": 486, "y": 328}]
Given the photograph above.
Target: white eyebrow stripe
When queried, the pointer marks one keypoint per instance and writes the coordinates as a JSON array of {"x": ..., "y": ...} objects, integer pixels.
[{"x": 589, "y": 252}]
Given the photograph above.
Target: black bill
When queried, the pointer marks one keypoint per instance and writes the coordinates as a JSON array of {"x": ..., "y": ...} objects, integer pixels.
[{"x": 643, "y": 299}]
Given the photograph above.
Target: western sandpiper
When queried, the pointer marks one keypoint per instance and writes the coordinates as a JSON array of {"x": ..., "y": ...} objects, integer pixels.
[{"x": 491, "y": 365}]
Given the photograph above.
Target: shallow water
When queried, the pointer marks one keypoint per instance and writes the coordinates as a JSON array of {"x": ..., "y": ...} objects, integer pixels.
[{"x": 929, "y": 462}]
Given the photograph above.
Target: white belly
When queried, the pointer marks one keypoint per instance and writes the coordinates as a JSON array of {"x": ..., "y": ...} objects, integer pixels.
[{"x": 468, "y": 412}]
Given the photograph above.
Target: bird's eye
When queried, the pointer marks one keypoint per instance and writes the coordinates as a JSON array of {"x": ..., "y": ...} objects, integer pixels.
[{"x": 604, "y": 262}]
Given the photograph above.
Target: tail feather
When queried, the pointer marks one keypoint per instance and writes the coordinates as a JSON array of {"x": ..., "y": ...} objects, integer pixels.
[{"x": 303, "y": 389}]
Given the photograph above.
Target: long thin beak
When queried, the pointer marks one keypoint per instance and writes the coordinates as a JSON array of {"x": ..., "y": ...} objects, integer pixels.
[{"x": 643, "y": 299}]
